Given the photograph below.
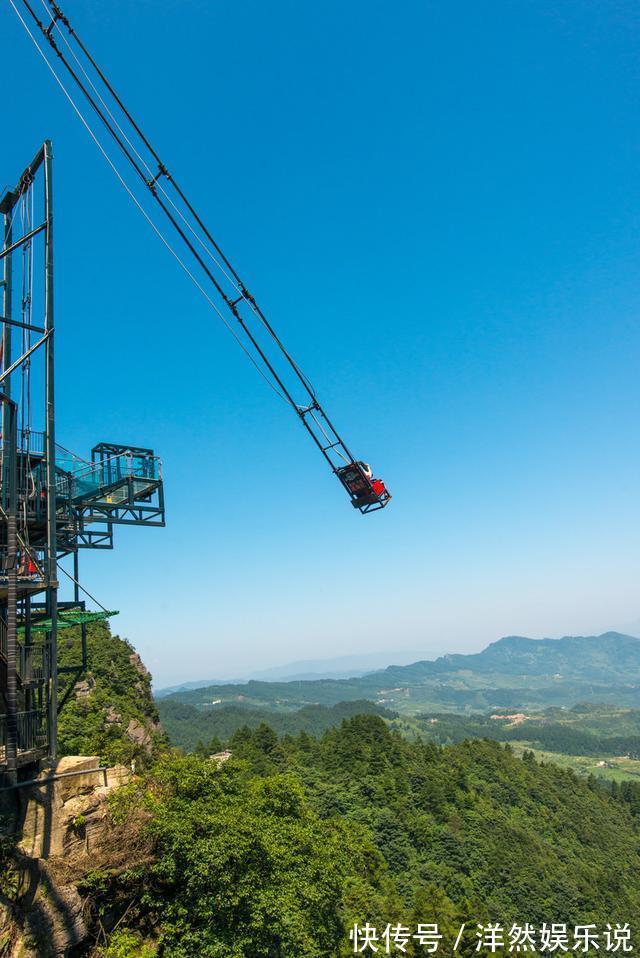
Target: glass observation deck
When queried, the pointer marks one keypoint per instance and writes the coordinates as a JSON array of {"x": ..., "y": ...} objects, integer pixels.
[
  {"x": 112, "y": 467},
  {"x": 114, "y": 475}
]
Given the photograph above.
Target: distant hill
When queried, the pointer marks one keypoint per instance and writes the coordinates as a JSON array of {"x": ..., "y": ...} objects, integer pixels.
[
  {"x": 611, "y": 655},
  {"x": 338, "y": 667},
  {"x": 190, "y": 686},
  {"x": 514, "y": 672}
]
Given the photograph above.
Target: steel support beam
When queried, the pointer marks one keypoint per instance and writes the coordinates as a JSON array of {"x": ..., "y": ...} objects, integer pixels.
[
  {"x": 50, "y": 451},
  {"x": 7, "y": 372},
  {"x": 10, "y": 502},
  {"x": 9, "y": 249}
]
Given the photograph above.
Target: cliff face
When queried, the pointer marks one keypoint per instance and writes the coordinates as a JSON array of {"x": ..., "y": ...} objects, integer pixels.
[{"x": 63, "y": 830}]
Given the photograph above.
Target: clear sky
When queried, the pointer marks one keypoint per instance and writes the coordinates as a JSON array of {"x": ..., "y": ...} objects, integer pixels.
[{"x": 438, "y": 205}]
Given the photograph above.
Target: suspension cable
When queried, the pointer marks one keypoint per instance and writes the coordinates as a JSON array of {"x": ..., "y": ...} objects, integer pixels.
[
  {"x": 129, "y": 154},
  {"x": 135, "y": 200},
  {"x": 82, "y": 588}
]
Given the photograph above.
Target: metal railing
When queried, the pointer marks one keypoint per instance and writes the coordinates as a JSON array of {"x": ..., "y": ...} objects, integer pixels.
[
  {"x": 29, "y": 440},
  {"x": 32, "y": 661},
  {"x": 32, "y": 441},
  {"x": 32, "y": 732},
  {"x": 79, "y": 478},
  {"x": 76, "y": 476},
  {"x": 30, "y": 564}
]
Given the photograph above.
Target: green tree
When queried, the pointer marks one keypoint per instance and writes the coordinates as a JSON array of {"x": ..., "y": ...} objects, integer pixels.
[{"x": 247, "y": 869}]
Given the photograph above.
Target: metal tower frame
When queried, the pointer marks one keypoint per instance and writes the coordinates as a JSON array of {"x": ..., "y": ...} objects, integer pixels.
[
  {"x": 52, "y": 502},
  {"x": 31, "y": 732}
]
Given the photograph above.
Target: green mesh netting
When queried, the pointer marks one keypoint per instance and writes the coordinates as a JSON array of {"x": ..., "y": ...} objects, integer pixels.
[
  {"x": 78, "y": 617},
  {"x": 67, "y": 618}
]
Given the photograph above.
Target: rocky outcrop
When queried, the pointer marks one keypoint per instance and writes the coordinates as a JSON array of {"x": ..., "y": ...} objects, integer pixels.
[
  {"x": 68, "y": 811},
  {"x": 65, "y": 830},
  {"x": 140, "y": 667},
  {"x": 143, "y": 686},
  {"x": 47, "y": 920},
  {"x": 141, "y": 735},
  {"x": 221, "y": 757},
  {"x": 84, "y": 687}
]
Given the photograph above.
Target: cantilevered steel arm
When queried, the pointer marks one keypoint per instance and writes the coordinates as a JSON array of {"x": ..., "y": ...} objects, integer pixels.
[{"x": 208, "y": 265}]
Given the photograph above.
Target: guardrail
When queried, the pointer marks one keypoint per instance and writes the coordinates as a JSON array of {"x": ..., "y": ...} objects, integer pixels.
[
  {"x": 29, "y": 440},
  {"x": 32, "y": 732},
  {"x": 77, "y": 478},
  {"x": 100, "y": 770},
  {"x": 31, "y": 660}
]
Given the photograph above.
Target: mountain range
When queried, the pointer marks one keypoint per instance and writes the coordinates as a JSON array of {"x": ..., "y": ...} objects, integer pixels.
[{"x": 514, "y": 672}]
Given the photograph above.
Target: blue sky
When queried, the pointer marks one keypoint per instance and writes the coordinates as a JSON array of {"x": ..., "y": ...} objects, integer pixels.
[{"x": 438, "y": 205}]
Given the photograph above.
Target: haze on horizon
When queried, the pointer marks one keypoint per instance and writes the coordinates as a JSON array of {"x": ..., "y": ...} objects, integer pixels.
[
  {"x": 440, "y": 215},
  {"x": 343, "y": 666}
]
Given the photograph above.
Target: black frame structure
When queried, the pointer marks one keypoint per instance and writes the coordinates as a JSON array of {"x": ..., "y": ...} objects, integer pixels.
[
  {"x": 28, "y": 678},
  {"x": 52, "y": 502}
]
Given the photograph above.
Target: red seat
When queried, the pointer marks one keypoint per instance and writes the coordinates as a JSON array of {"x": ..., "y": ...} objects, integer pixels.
[{"x": 364, "y": 490}]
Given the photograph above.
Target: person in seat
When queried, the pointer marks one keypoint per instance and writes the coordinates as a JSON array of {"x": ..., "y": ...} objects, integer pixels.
[
  {"x": 377, "y": 484},
  {"x": 360, "y": 482}
]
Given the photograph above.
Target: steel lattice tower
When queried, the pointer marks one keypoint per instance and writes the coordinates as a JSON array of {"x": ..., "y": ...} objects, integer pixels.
[{"x": 52, "y": 502}]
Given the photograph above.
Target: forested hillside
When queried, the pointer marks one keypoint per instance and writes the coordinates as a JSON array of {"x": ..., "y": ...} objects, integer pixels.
[
  {"x": 281, "y": 849},
  {"x": 582, "y": 730},
  {"x": 513, "y": 673},
  {"x": 592, "y": 739},
  {"x": 205, "y": 731}
]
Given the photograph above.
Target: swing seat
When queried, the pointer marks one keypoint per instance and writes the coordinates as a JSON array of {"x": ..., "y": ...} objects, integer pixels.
[{"x": 366, "y": 492}]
